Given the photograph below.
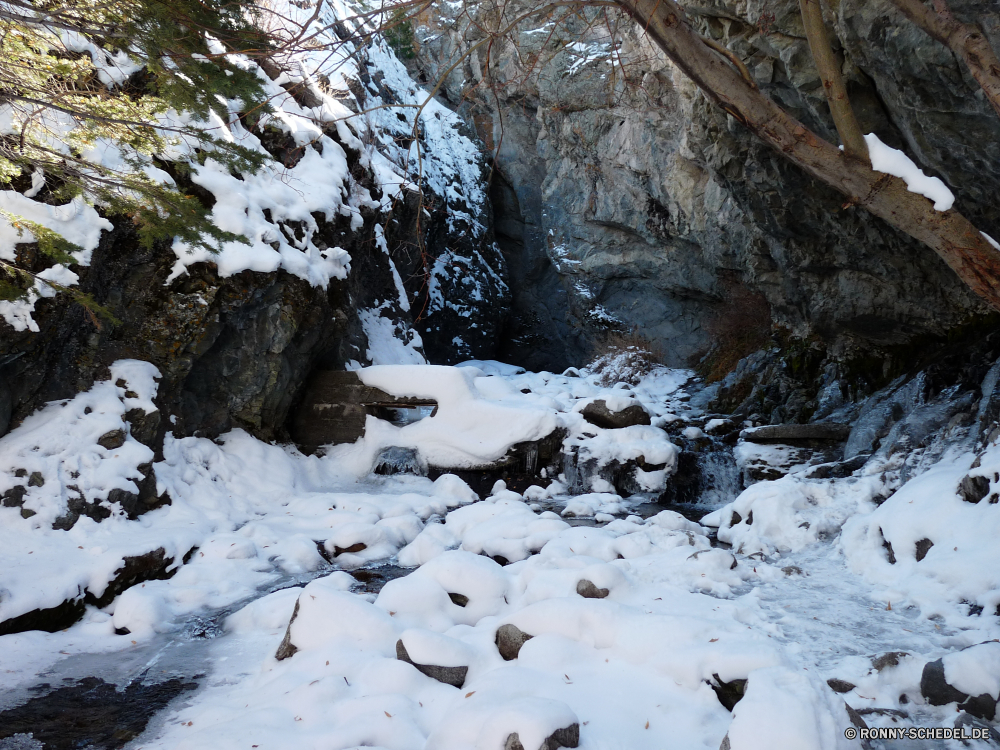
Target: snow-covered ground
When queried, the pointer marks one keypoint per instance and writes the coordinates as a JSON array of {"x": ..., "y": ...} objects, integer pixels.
[{"x": 637, "y": 625}]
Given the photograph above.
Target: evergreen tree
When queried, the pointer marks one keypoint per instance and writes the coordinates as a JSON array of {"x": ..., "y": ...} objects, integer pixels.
[{"x": 140, "y": 75}]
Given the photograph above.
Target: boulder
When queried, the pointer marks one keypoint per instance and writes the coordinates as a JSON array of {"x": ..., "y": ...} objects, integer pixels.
[
  {"x": 509, "y": 640},
  {"x": 792, "y": 433},
  {"x": 973, "y": 489},
  {"x": 454, "y": 676},
  {"x": 840, "y": 686},
  {"x": 937, "y": 691},
  {"x": 565, "y": 737},
  {"x": 729, "y": 693},
  {"x": 598, "y": 413}
]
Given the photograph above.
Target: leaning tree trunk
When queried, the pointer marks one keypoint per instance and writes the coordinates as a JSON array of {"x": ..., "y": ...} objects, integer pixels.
[
  {"x": 965, "y": 40},
  {"x": 964, "y": 248},
  {"x": 833, "y": 82}
]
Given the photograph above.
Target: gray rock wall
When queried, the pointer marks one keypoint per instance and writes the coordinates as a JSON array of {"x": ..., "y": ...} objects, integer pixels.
[{"x": 624, "y": 198}]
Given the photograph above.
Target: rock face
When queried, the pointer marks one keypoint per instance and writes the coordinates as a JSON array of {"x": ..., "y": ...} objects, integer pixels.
[{"x": 624, "y": 199}]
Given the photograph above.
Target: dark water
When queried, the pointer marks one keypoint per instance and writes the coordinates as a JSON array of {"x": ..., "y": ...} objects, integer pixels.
[
  {"x": 87, "y": 713},
  {"x": 91, "y": 712}
]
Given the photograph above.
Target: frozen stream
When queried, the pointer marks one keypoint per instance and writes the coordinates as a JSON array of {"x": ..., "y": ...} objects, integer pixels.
[{"x": 424, "y": 617}]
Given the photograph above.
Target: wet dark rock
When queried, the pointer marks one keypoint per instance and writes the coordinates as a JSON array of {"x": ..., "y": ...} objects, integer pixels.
[
  {"x": 937, "y": 691},
  {"x": 886, "y": 660},
  {"x": 112, "y": 440},
  {"x": 729, "y": 693},
  {"x": 286, "y": 648},
  {"x": 923, "y": 546},
  {"x": 519, "y": 469},
  {"x": 460, "y": 600},
  {"x": 972, "y": 489},
  {"x": 152, "y": 566},
  {"x": 374, "y": 578},
  {"x": 36, "y": 479},
  {"x": 598, "y": 413},
  {"x": 795, "y": 433},
  {"x": 356, "y": 547},
  {"x": 736, "y": 519},
  {"x": 50, "y": 619},
  {"x": 448, "y": 675},
  {"x": 91, "y": 713},
  {"x": 888, "y": 548},
  {"x": 509, "y": 640},
  {"x": 838, "y": 469},
  {"x": 565, "y": 737},
  {"x": 155, "y": 565},
  {"x": 840, "y": 686},
  {"x": 588, "y": 590},
  {"x": 143, "y": 425},
  {"x": 14, "y": 497}
]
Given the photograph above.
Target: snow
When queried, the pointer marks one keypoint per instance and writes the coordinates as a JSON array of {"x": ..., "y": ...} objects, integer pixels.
[
  {"x": 785, "y": 708},
  {"x": 805, "y": 593},
  {"x": 893, "y": 161},
  {"x": 278, "y": 210}
]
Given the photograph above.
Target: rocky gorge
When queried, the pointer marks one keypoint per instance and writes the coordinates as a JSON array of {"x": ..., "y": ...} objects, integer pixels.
[{"x": 545, "y": 407}]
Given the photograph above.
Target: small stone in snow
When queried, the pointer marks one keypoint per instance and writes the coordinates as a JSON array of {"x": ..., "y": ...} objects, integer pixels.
[
  {"x": 509, "y": 640},
  {"x": 588, "y": 590}
]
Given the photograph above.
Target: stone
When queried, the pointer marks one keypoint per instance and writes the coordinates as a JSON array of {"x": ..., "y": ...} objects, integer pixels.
[
  {"x": 454, "y": 676},
  {"x": 36, "y": 479},
  {"x": 923, "y": 546},
  {"x": 840, "y": 686},
  {"x": 287, "y": 649},
  {"x": 728, "y": 693},
  {"x": 509, "y": 640},
  {"x": 565, "y": 737},
  {"x": 937, "y": 691},
  {"x": 112, "y": 440},
  {"x": 588, "y": 590},
  {"x": 972, "y": 489},
  {"x": 838, "y": 469},
  {"x": 886, "y": 660},
  {"x": 792, "y": 433},
  {"x": 598, "y": 413},
  {"x": 460, "y": 600},
  {"x": 14, "y": 497},
  {"x": 133, "y": 570}
]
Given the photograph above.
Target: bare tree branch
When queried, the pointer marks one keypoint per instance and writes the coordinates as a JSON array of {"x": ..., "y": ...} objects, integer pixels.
[
  {"x": 833, "y": 82},
  {"x": 952, "y": 236},
  {"x": 964, "y": 39}
]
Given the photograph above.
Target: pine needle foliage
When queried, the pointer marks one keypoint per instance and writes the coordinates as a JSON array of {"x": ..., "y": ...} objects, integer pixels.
[{"x": 84, "y": 79}]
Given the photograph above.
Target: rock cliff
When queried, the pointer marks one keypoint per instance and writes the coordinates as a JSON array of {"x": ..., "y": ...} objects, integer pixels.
[{"x": 623, "y": 198}]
